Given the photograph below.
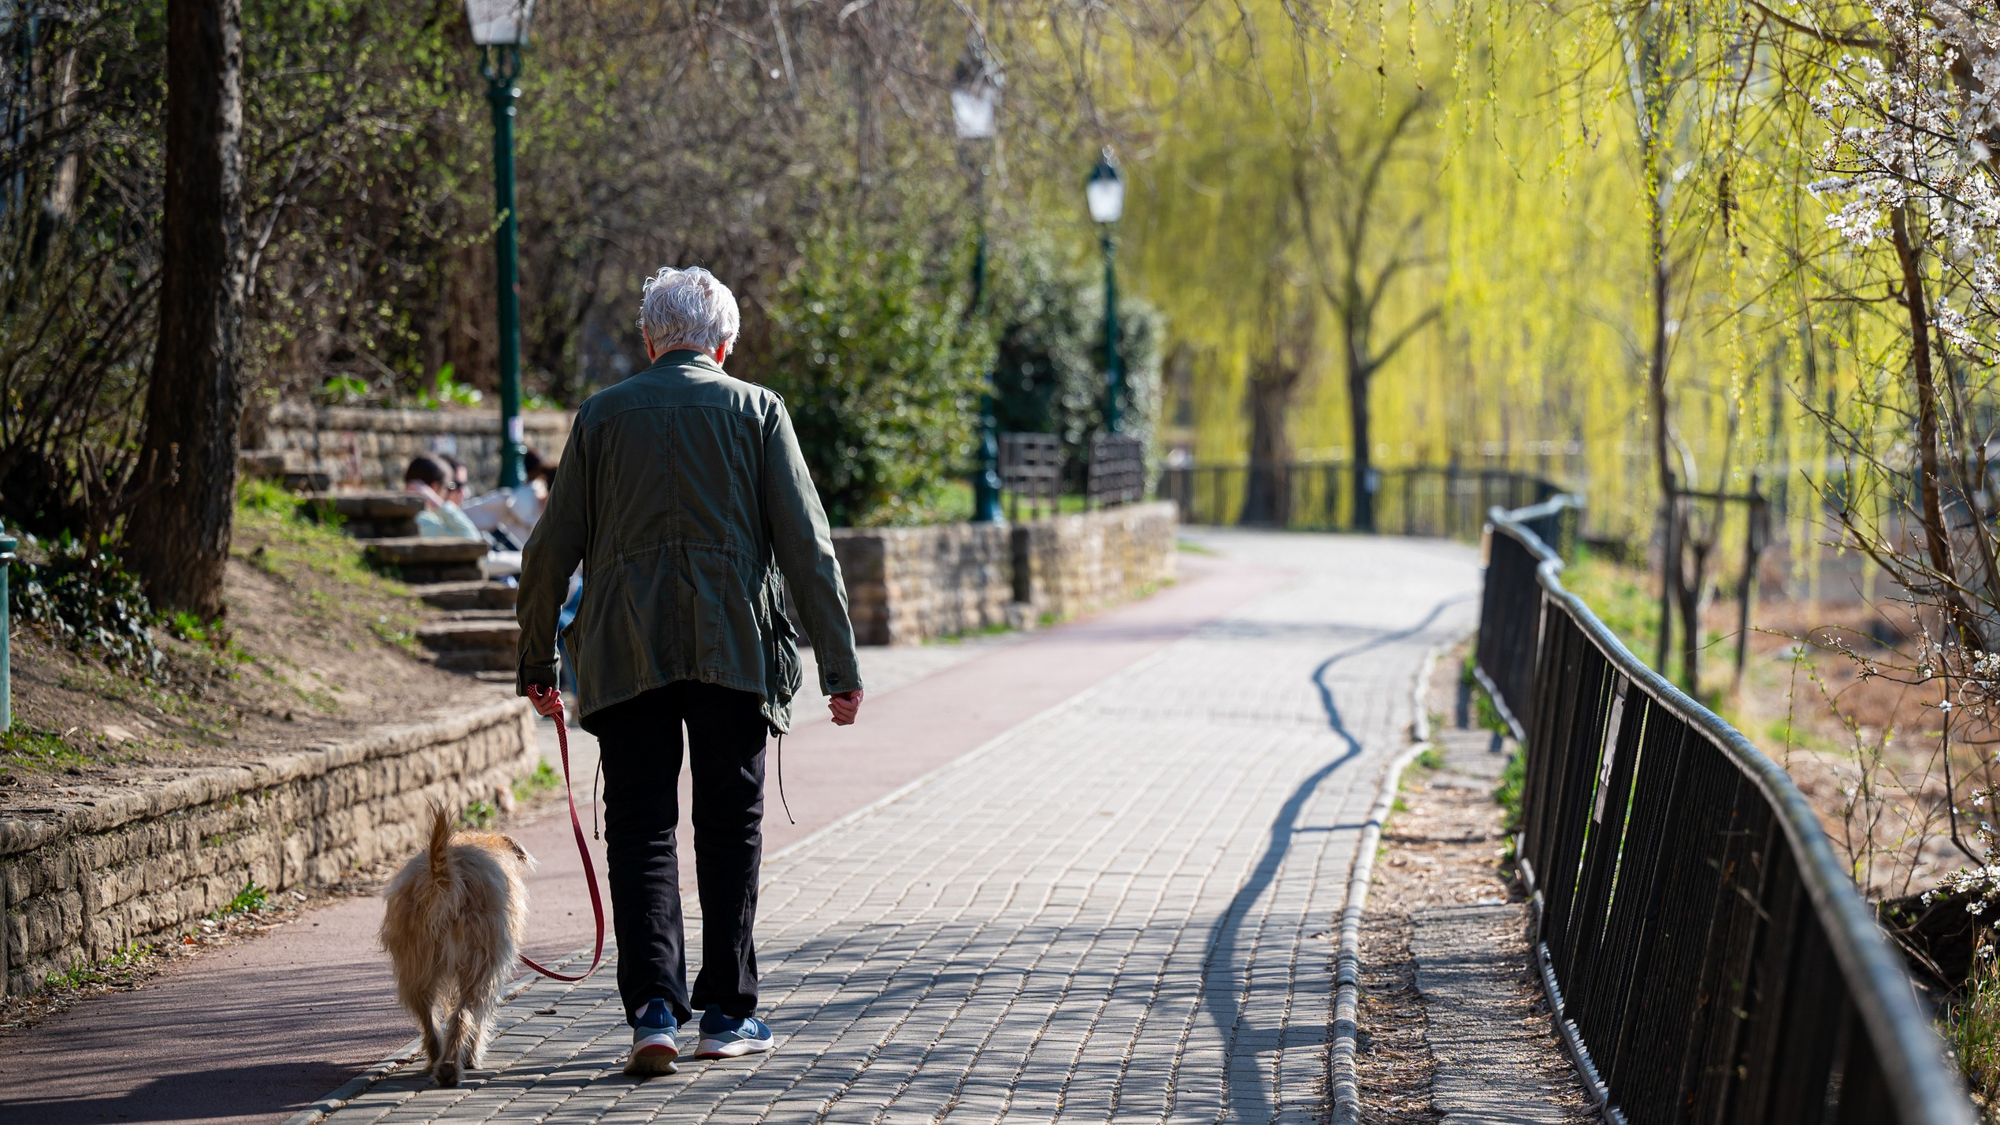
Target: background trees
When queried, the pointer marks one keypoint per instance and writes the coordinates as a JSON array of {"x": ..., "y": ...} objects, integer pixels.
[{"x": 721, "y": 133}]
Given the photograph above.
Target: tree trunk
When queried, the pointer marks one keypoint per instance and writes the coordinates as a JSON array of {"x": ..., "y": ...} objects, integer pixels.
[
  {"x": 178, "y": 539},
  {"x": 1267, "y": 491},
  {"x": 1693, "y": 579},
  {"x": 1671, "y": 522},
  {"x": 1930, "y": 502},
  {"x": 1359, "y": 374}
]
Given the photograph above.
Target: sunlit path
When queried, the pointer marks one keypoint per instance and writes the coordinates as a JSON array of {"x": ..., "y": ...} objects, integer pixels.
[{"x": 1117, "y": 910}]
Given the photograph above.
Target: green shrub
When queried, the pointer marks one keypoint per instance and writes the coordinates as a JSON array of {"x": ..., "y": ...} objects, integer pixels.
[
  {"x": 87, "y": 601},
  {"x": 881, "y": 371},
  {"x": 1049, "y": 362}
]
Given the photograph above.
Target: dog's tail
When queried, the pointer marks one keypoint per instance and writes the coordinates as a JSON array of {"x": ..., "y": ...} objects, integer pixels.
[{"x": 440, "y": 853}]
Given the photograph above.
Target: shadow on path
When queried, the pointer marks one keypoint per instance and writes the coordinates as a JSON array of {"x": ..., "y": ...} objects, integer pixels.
[{"x": 1221, "y": 991}]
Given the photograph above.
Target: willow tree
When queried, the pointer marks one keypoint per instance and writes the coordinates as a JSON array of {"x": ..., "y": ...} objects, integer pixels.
[
  {"x": 1364, "y": 243},
  {"x": 1297, "y": 180}
]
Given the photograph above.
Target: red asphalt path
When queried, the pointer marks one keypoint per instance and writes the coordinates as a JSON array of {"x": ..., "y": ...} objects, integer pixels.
[{"x": 254, "y": 1032}]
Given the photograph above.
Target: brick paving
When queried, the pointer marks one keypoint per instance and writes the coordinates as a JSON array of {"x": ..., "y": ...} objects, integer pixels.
[{"x": 1118, "y": 910}]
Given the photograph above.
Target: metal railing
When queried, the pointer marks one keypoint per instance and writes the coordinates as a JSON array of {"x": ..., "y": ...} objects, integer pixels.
[
  {"x": 1705, "y": 954},
  {"x": 1444, "y": 501}
]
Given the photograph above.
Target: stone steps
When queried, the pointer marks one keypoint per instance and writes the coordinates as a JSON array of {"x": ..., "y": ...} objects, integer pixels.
[
  {"x": 474, "y": 641},
  {"x": 466, "y": 595},
  {"x": 425, "y": 559},
  {"x": 375, "y": 514}
]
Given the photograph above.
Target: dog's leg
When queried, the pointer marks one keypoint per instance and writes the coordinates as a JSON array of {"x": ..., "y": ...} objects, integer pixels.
[
  {"x": 419, "y": 1000},
  {"x": 480, "y": 997},
  {"x": 448, "y": 1066},
  {"x": 433, "y": 1043}
]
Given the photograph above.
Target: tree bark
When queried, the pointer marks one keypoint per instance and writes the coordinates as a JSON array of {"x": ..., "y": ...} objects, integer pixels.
[
  {"x": 1267, "y": 490},
  {"x": 178, "y": 539},
  {"x": 1359, "y": 374},
  {"x": 1671, "y": 520},
  {"x": 1931, "y": 514}
]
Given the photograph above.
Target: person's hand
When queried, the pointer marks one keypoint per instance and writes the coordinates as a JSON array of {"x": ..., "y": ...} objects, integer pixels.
[
  {"x": 430, "y": 497},
  {"x": 845, "y": 705},
  {"x": 547, "y": 701}
]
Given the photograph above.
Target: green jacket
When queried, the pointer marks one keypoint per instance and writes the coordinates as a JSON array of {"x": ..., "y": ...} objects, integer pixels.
[{"x": 679, "y": 490}]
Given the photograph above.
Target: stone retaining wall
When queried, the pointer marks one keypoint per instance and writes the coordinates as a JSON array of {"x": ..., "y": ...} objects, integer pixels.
[
  {"x": 911, "y": 584},
  {"x": 369, "y": 448},
  {"x": 1072, "y": 565},
  {"x": 149, "y": 862}
]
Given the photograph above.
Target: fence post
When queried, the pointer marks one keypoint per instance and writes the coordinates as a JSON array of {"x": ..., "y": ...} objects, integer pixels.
[
  {"x": 7, "y": 545},
  {"x": 1756, "y": 535}
]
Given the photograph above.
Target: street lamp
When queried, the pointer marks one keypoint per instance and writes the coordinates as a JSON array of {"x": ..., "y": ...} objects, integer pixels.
[
  {"x": 1105, "y": 192},
  {"x": 975, "y": 111},
  {"x": 500, "y": 29}
]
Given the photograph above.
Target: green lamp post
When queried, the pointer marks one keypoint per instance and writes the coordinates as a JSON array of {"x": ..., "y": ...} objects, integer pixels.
[
  {"x": 1105, "y": 193},
  {"x": 500, "y": 29},
  {"x": 975, "y": 108}
]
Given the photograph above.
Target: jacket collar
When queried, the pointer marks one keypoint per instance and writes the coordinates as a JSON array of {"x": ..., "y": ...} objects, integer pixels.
[{"x": 684, "y": 358}]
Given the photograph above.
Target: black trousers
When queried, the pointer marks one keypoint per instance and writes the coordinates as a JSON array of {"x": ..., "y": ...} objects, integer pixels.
[{"x": 639, "y": 741}]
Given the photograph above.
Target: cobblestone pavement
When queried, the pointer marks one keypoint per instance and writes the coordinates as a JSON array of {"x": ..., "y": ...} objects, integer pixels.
[{"x": 1119, "y": 910}]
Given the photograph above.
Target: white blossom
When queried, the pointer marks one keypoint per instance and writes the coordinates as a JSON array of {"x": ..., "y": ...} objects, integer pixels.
[{"x": 1913, "y": 134}]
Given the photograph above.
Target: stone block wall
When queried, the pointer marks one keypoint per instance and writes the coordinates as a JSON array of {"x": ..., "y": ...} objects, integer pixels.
[
  {"x": 150, "y": 862},
  {"x": 1067, "y": 566},
  {"x": 366, "y": 447},
  {"x": 909, "y": 584},
  {"x": 906, "y": 585}
]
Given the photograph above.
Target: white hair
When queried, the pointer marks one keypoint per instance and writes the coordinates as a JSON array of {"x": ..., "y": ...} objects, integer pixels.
[{"x": 688, "y": 308}]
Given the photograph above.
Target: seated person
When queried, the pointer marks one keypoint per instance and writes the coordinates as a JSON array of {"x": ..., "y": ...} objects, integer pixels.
[
  {"x": 511, "y": 512},
  {"x": 441, "y": 518}
]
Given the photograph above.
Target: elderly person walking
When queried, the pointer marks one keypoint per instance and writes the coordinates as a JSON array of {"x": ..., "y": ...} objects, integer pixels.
[{"x": 683, "y": 494}]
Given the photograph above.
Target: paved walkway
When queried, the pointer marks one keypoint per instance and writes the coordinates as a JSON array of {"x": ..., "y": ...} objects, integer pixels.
[
  {"x": 250, "y": 1033},
  {"x": 1116, "y": 909}
]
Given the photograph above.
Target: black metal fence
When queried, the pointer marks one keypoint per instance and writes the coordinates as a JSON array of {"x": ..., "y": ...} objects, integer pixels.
[
  {"x": 1707, "y": 956},
  {"x": 1442, "y": 501}
]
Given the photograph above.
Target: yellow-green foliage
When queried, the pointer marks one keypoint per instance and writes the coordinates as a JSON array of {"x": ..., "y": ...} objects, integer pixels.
[{"x": 1528, "y": 188}]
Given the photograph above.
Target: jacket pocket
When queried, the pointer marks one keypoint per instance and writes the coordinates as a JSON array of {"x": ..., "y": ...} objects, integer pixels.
[{"x": 786, "y": 674}]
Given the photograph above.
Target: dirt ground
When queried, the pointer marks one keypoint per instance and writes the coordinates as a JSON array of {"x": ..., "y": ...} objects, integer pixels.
[
  {"x": 312, "y": 648},
  {"x": 1824, "y": 692},
  {"x": 1444, "y": 844}
]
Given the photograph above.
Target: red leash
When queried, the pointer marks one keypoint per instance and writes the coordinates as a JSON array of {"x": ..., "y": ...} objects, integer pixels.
[{"x": 582, "y": 849}]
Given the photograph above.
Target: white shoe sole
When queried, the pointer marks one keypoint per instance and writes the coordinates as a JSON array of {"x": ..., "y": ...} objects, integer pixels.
[
  {"x": 734, "y": 1049},
  {"x": 653, "y": 1056}
]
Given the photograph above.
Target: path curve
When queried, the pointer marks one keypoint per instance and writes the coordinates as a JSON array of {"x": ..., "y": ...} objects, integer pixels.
[
  {"x": 1101, "y": 894},
  {"x": 1119, "y": 909}
]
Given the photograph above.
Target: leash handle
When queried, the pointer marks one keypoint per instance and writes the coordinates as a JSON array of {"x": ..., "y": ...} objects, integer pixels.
[{"x": 582, "y": 849}]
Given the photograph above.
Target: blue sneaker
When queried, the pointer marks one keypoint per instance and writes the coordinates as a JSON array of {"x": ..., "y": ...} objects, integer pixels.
[
  {"x": 653, "y": 1047},
  {"x": 726, "y": 1038}
]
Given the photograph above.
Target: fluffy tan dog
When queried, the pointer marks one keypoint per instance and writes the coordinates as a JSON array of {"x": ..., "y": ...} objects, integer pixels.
[{"x": 456, "y": 915}]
